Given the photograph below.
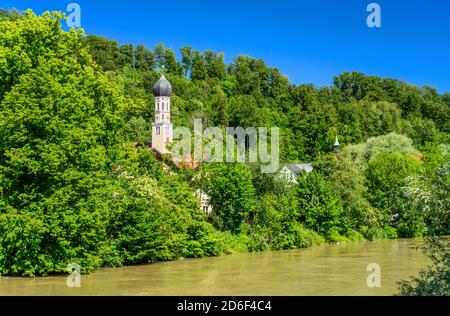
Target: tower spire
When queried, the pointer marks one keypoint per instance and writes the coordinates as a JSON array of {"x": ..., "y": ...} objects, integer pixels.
[{"x": 336, "y": 145}]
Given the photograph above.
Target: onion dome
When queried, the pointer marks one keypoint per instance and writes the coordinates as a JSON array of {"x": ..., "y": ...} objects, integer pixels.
[{"x": 162, "y": 88}]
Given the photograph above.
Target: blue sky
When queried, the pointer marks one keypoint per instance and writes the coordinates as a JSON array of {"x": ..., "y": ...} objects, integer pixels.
[{"x": 310, "y": 41}]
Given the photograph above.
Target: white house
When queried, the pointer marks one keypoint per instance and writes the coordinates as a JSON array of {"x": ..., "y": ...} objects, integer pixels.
[
  {"x": 290, "y": 172},
  {"x": 204, "y": 201}
]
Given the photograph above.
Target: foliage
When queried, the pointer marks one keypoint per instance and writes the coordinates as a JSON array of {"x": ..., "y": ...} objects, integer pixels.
[
  {"x": 13, "y": 14},
  {"x": 60, "y": 121},
  {"x": 321, "y": 206},
  {"x": 351, "y": 184},
  {"x": 386, "y": 175},
  {"x": 70, "y": 192},
  {"x": 431, "y": 197},
  {"x": 276, "y": 225},
  {"x": 392, "y": 143},
  {"x": 231, "y": 193}
]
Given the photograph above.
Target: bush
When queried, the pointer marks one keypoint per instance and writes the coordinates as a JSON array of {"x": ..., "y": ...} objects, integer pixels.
[
  {"x": 434, "y": 281},
  {"x": 203, "y": 241},
  {"x": 386, "y": 175},
  {"x": 431, "y": 195},
  {"x": 354, "y": 235},
  {"x": 152, "y": 228},
  {"x": 320, "y": 206},
  {"x": 231, "y": 195},
  {"x": 276, "y": 225}
]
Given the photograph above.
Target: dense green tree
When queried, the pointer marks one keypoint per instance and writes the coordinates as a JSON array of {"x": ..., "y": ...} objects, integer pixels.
[
  {"x": 186, "y": 59},
  {"x": 144, "y": 58},
  {"x": 141, "y": 129},
  {"x": 276, "y": 225},
  {"x": 215, "y": 65},
  {"x": 126, "y": 55},
  {"x": 13, "y": 14},
  {"x": 248, "y": 72},
  {"x": 159, "y": 52},
  {"x": 434, "y": 156},
  {"x": 231, "y": 193},
  {"x": 350, "y": 182},
  {"x": 60, "y": 125},
  {"x": 391, "y": 143},
  {"x": 198, "y": 68},
  {"x": 320, "y": 206},
  {"x": 105, "y": 52},
  {"x": 171, "y": 64},
  {"x": 386, "y": 175},
  {"x": 220, "y": 105},
  {"x": 244, "y": 111},
  {"x": 431, "y": 196}
]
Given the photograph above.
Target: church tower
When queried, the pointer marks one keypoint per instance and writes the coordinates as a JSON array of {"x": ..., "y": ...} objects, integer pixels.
[{"x": 162, "y": 128}]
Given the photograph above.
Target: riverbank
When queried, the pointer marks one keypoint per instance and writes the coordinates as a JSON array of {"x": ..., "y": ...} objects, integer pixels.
[{"x": 320, "y": 270}]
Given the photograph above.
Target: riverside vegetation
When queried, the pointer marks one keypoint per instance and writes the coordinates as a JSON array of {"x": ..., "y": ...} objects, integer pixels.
[{"x": 75, "y": 188}]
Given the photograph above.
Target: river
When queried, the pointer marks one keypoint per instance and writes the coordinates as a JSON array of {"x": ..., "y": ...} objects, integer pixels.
[{"x": 322, "y": 270}]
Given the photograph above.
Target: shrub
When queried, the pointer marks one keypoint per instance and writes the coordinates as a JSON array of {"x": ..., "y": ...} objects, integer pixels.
[{"x": 320, "y": 206}]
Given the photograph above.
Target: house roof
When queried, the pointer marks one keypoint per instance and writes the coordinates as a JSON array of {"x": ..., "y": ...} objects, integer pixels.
[
  {"x": 189, "y": 163},
  {"x": 300, "y": 167}
]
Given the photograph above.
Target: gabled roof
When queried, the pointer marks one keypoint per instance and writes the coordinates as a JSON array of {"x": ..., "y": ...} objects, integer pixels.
[
  {"x": 189, "y": 163},
  {"x": 300, "y": 167}
]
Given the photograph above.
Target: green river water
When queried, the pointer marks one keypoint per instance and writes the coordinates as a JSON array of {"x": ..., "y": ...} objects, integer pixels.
[{"x": 322, "y": 270}]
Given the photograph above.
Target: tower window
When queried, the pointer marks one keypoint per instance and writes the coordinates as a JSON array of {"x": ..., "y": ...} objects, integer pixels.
[
  {"x": 158, "y": 130},
  {"x": 163, "y": 106},
  {"x": 163, "y": 117}
]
